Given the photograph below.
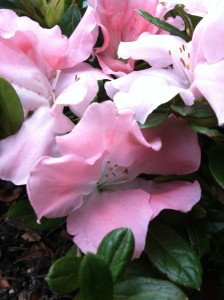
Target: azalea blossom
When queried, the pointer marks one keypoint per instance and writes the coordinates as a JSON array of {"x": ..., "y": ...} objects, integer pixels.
[
  {"x": 120, "y": 22},
  {"x": 31, "y": 60},
  {"x": 94, "y": 181},
  {"x": 196, "y": 71}
]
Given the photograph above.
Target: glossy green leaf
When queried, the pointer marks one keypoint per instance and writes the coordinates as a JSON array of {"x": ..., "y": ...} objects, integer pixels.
[
  {"x": 63, "y": 274},
  {"x": 22, "y": 210},
  {"x": 196, "y": 111},
  {"x": 153, "y": 120},
  {"x": 154, "y": 289},
  {"x": 154, "y": 296},
  {"x": 172, "y": 255},
  {"x": 198, "y": 236},
  {"x": 95, "y": 279},
  {"x": 117, "y": 249},
  {"x": 216, "y": 164},
  {"x": 70, "y": 20},
  {"x": 11, "y": 111},
  {"x": 162, "y": 24}
]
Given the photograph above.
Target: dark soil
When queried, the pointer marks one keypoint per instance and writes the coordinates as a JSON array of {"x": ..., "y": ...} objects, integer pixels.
[{"x": 26, "y": 255}]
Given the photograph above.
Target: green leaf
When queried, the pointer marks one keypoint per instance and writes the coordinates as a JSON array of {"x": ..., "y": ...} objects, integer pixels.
[
  {"x": 117, "y": 249},
  {"x": 153, "y": 120},
  {"x": 22, "y": 210},
  {"x": 11, "y": 111},
  {"x": 211, "y": 133},
  {"x": 162, "y": 24},
  {"x": 216, "y": 164},
  {"x": 153, "y": 288},
  {"x": 70, "y": 20},
  {"x": 198, "y": 237},
  {"x": 190, "y": 21},
  {"x": 95, "y": 279},
  {"x": 140, "y": 268},
  {"x": 195, "y": 111},
  {"x": 154, "y": 296},
  {"x": 63, "y": 274},
  {"x": 171, "y": 254}
]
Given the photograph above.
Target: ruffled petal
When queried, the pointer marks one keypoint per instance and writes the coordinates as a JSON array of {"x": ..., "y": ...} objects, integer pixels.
[
  {"x": 103, "y": 129},
  {"x": 62, "y": 181}
]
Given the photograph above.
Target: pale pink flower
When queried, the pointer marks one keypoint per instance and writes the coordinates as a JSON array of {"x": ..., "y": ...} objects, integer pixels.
[
  {"x": 119, "y": 22},
  {"x": 94, "y": 180},
  {"x": 197, "y": 70},
  {"x": 30, "y": 59}
]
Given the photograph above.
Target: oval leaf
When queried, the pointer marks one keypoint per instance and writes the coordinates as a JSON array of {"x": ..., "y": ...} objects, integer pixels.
[
  {"x": 22, "y": 210},
  {"x": 117, "y": 249},
  {"x": 216, "y": 164},
  {"x": 11, "y": 111},
  {"x": 63, "y": 274},
  {"x": 95, "y": 279},
  {"x": 140, "y": 286},
  {"x": 171, "y": 254}
]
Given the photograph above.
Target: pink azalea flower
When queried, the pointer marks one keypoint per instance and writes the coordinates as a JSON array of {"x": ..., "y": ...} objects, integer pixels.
[
  {"x": 119, "y": 22},
  {"x": 197, "y": 70},
  {"x": 30, "y": 59},
  {"x": 94, "y": 182}
]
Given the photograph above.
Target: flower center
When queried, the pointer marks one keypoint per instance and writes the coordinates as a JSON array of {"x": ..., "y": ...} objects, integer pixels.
[{"x": 112, "y": 175}]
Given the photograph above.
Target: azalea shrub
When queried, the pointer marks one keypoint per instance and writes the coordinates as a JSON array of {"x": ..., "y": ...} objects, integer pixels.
[{"x": 112, "y": 118}]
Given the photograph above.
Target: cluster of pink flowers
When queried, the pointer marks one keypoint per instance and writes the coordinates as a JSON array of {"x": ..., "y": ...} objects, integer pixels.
[{"x": 90, "y": 171}]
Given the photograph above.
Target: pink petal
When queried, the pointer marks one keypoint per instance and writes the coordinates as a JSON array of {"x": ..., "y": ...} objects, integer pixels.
[
  {"x": 62, "y": 181},
  {"x": 119, "y": 22},
  {"x": 20, "y": 151},
  {"x": 103, "y": 129},
  {"x": 209, "y": 81},
  {"x": 31, "y": 84},
  {"x": 103, "y": 212},
  {"x": 152, "y": 48},
  {"x": 62, "y": 124},
  {"x": 78, "y": 86},
  {"x": 180, "y": 152},
  {"x": 153, "y": 89},
  {"x": 177, "y": 195},
  {"x": 31, "y": 38}
]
